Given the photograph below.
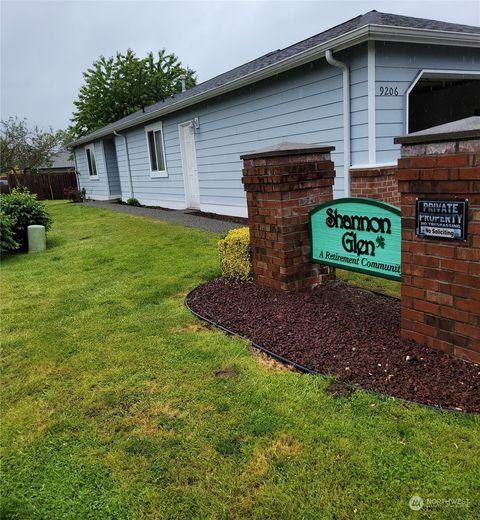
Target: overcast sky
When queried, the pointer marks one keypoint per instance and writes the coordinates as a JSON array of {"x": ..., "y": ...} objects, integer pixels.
[{"x": 46, "y": 45}]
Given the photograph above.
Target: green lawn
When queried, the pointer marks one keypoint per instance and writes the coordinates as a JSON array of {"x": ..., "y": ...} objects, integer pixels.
[
  {"x": 111, "y": 407},
  {"x": 373, "y": 283}
]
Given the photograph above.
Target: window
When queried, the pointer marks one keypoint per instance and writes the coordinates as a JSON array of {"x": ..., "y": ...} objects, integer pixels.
[
  {"x": 438, "y": 97},
  {"x": 92, "y": 165},
  {"x": 156, "y": 150}
]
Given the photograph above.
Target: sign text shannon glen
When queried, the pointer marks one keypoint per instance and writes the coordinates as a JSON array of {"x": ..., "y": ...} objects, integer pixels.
[{"x": 359, "y": 235}]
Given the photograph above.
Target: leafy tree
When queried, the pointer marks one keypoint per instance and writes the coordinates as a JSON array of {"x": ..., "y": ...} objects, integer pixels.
[
  {"x": 23, "y": 149},
  {"x": 118, "y": 86}
]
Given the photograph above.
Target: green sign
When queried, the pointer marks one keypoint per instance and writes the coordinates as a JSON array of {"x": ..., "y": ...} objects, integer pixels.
[{"x": 359, "y": 235}]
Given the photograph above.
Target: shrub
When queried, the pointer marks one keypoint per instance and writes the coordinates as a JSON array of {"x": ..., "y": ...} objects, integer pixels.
[
  {"x": 235, "y": 255},
  {"x": 24, "y": 209},
  {"x": 7, "y": 240},
  {"x": 132, "y": 201},
  {"x": 73, "y": 195}
]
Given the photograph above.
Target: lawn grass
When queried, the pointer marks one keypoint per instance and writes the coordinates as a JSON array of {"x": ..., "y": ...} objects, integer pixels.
[
  {"x": 372, "y": 283},
  {"x": 111, "y": 408}
]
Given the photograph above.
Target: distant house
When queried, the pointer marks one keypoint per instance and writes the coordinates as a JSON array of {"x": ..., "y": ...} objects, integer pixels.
[
  {"x": 61, "y": 163},
  {"x": 355, "y": 86},
  {"x": 48, "y": 182}
]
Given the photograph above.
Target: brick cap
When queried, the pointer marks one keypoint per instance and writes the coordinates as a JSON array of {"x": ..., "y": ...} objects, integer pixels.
[
  {"x": 374, "y": 171},
  {"x": 281, "y": 149},
  {"x": 468, "y": 128}
]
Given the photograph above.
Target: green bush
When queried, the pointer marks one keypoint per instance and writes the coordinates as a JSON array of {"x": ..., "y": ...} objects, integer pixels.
[
  {"x": 7, "y": 240},
  {"x": 74, "y": 194},
  {"x": 132, "y": 201},
  {"x": 235, "y": 255},
  {"x": 24, "y": 210}
]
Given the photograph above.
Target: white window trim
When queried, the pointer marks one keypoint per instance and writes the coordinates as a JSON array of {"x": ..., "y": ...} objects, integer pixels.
[
  {"x": 91, "y": 147},
  {"x": 444, "y": 73},
  {"x": 152, "y": 128},
  {"x": 373, "y": 166}
]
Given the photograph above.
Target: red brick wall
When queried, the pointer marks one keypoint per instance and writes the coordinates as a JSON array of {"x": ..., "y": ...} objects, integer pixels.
[
  {"x": 375, "y": 183},
  {"x": 281, "y": 190},
  {"x": 441, "y": 278}
]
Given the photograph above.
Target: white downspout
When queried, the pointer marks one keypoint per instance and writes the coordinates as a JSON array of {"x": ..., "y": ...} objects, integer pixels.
[
  {"x": 346, "y": 116},
  {"x": 128, "y": 161},
  {"x": 77, "y": 172}
]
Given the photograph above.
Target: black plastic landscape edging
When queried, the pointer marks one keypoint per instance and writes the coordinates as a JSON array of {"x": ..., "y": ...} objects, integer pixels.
[
  {"x": 282, "y": 360},
  {"x": 310, "y": 371}
]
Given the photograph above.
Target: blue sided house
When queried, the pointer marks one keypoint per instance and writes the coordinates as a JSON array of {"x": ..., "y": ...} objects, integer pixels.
[{"x": 355, "y": 86}]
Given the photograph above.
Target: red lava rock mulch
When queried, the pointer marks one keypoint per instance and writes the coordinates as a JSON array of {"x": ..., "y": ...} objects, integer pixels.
[{"x": 341, "y": 330}]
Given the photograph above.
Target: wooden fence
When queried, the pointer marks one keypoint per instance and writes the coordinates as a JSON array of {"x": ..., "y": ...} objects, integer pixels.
[{"x": 48, "y": 185}]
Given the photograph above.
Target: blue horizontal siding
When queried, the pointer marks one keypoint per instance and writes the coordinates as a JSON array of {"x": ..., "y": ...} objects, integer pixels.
[
  {"x": 150, "y": 191},
  {"x": 356, "y": 58},
  {"x": 95, "y": 188},
  {"x": 302, "y": 105},
  {"x": 398, "y": 65}
]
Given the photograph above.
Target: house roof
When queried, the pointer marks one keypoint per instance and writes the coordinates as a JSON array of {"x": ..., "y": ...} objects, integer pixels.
[
  {"x": 60, "y": 160},
  {"x": 370, "y": 25}
]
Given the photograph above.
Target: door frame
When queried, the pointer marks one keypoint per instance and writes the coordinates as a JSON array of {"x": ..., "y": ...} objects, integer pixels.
[{"x": 181, "y": 128}]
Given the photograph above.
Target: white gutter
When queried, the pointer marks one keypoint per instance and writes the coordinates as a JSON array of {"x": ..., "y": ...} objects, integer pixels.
[
  {"x": 346, "y": 116},
  {"x": 128, "y": 161},
  {"x": 433, "y": 36},
  {"x": 349, "y": 39}
]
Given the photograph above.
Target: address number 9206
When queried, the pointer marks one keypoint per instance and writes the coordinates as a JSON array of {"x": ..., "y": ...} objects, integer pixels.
[{"x": 389, "y": 91}]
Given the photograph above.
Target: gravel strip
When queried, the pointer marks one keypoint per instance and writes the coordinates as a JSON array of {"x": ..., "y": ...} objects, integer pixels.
[
  {"x": 175, "y": 216},
  {"x": 348, "y": 332}
]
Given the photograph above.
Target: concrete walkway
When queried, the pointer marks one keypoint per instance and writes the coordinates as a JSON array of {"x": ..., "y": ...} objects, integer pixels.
[{"x": 175, "y": 216}]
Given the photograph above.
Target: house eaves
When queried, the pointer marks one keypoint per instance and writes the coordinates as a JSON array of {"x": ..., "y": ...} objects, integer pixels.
[
  {"x": 425, "y": 36},
  {"x": 346, "y": 40}
]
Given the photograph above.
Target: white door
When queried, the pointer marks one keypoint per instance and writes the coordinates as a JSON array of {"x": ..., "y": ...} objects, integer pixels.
[{"x": 189, "y": 165}]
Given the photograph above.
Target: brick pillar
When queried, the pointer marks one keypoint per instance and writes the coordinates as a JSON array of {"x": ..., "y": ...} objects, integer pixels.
[
  {"x": 283, "y": 184},
  {"x": 441, "y": 278}
]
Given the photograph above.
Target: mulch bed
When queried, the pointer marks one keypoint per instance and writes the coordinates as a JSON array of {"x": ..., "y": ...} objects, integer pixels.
[
  {"x": 344, "y": 331},
  {"x": 122, "y": 203},
  {"x": 216, "y": 216}
]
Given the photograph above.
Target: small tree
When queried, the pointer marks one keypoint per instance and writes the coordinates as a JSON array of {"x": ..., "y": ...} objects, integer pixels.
[
  {"x": 23, "y": 149},
  {"x": 118, "y": 86}
]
